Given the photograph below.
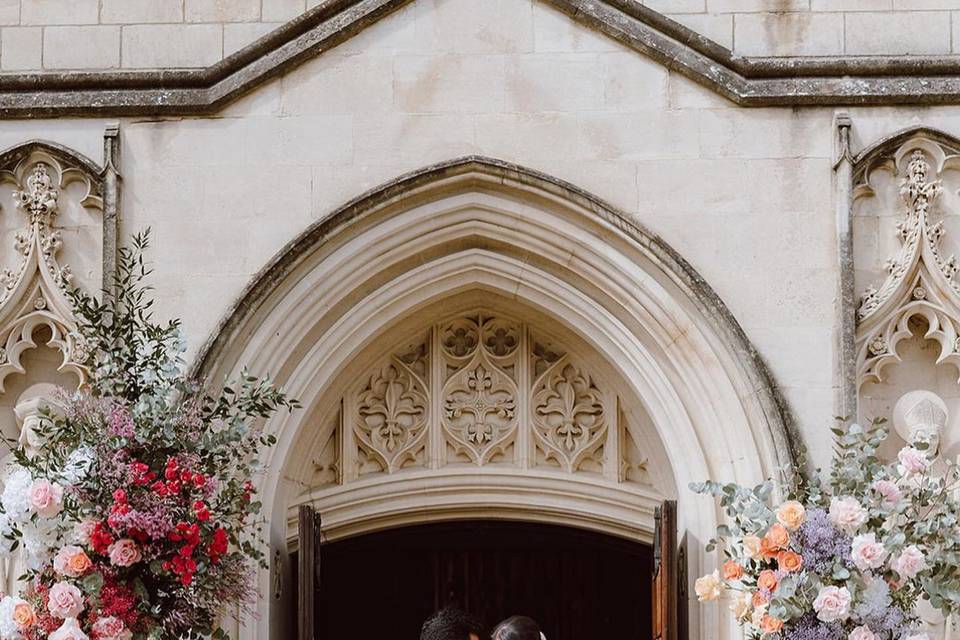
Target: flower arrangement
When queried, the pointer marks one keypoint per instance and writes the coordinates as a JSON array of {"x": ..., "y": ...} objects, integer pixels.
[
  {"x": 138, "y": 518},
  {"x": 847, "y": 557}
]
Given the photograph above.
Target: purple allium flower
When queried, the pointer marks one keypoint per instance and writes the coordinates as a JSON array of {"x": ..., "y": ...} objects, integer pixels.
[
  {"x": 823, "y": 544},
  {"x": 809, "y": 627}
]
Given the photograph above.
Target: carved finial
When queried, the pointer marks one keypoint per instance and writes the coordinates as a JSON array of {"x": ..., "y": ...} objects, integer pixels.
[{"x": 39, "y": 199}]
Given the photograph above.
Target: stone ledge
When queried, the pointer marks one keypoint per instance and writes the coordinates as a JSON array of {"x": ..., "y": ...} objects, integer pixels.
[{"x": 745, "y": 81}]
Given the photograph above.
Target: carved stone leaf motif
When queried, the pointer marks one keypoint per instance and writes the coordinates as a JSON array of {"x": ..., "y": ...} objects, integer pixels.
[
  {"x": 920, "y": 282},
  {"x": 392, "y": 412},
  {"x": 480, "y": 397},
  {"x": 568, "y": 415}
]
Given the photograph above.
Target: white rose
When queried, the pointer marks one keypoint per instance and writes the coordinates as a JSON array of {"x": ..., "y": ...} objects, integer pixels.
[
  {"x": 832, "y": 604},
  {"x": 867, "y": 553},
  {"x": 741, "y": 605},
  {"x": 708, "y": 587},
  {"x": 69, "y": 630},
  {"x": 862, "y": 633},
  {"x": 847, "y": 514},
  {"x": 751, "y": 546},
  {"x": 909, "y": 563},
  {"x": 912, "y": 461}
]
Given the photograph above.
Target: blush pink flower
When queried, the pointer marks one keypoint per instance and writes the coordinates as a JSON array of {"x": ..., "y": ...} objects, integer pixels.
[
  {"x": 71, "y": 561},
  {"x": 110, "y": 628},
  {"x": 847, "y": 514},
  {"x": 124, "y": 553},
  {"x": 890, "y": 493},
  {"x": 867, "y": 553},
  {"x": 66, "y": 601},
  {"x": 909, "y": 563},
  {"x": 832, "y": 604},
  {"x": 46, "y": 498},
  {"x": 862, "y": 633},
  {"x": 912, "y": 461},
  {"x": 69, "y": 630},
  {"x": 83, "y": 529}
]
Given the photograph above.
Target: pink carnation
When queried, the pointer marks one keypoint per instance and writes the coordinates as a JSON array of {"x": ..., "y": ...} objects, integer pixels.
[
  {"x": 66, "y": 601},
  {"x": 110, "y": 628},
  {"x": 124, "y": 553},
  {"x": 889, "y": 492},
  {"x": 867, "y": 553},
  {"x": 847, "y": 514},
  {"x": 909, "y": 563},
  {"x": 912, "y": 461},
  {"x": 46, "y": 498}
]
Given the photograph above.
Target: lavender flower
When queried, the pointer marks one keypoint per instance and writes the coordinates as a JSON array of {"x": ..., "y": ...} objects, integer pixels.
[
  {"x": 823, "y": 544},
  {"x": 810, "y": 628}
]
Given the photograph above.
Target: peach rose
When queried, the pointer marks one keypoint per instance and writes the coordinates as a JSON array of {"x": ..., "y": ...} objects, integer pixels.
[
  {"x": 778, "y": 536},
  {"x": 71, "y": 561},
  {"x": 769, "y": 624},
  {"x": 767, "y": 580},
  {"x": 708, "y": 587},
  {"x": 789, "y": 561},
  {"x": 759, "y": 599},
  {"x": 791, "y": 515},
  {"x": 732, "y": 570},
  {"x": 751, "y": 546},
  {"x": 768, "y": 549},
  {"x": 23, "y": 615}
]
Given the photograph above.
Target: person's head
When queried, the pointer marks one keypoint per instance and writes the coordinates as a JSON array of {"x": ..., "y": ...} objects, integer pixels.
[
  {"x": 517, "y": 628},
  {"x": 451, "y": 624}
]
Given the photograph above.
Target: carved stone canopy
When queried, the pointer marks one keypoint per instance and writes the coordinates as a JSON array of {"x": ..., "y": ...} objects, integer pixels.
[
  {"x": 920, "y": 285},
  {"x": 33, "y": 290}
]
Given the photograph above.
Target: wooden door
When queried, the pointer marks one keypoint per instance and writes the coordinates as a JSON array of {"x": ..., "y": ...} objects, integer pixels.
[
  {"x": 308, "y": 572},
  {"x": 669, "y": 576}
]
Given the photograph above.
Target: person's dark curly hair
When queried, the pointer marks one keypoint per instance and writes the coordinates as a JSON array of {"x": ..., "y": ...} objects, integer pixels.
[
  {"x": 450, "y": 624},
  {"x": 517, "y": 628}
]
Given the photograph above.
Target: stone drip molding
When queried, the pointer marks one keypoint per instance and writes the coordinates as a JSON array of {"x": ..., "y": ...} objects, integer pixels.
[
  {"x": 749, "y": 82},
  {"x": 33, "y": 291},
  {"x": 921, "y": 279}
]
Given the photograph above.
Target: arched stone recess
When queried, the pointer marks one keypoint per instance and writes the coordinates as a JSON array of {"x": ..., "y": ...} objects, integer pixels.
[
  {"x": 906, "y": 207},
  {"x": 48, "y": 193},
  {"x": 482, "y": 264}
]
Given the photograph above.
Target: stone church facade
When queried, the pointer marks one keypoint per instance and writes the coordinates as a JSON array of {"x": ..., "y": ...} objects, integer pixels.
[{"x": 536, "y": 260}]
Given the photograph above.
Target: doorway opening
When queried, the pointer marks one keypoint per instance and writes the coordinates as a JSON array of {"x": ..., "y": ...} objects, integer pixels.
[{"x": 577, "y": 584}]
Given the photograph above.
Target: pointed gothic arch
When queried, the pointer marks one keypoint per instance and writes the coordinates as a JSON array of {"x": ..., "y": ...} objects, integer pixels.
[
  {"x": 516, "y": 238},
  {"x": 919, "y": 284}
]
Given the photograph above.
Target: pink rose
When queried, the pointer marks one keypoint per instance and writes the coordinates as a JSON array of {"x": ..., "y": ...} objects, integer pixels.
[
  {"x": 83, "y": 529},
  {"x": 110, "y": 628},
  {"x": 832, "y": 604},
  {"x": 65, "y": 601},
  {"x": 124, "y": 553},
  {"x": 847, "y": 514},
  {"x": 69, "y": 630},
  {"x": 862, "y": 633},
  {"x": 867, "y": 553},
  {"x": 889, "y": 493},
  {"x": 46, "y": 498},
  {"x": 909, "y": 563},
  {"x": 71, "y": 561},
  {"x": 912, "y": 461}
]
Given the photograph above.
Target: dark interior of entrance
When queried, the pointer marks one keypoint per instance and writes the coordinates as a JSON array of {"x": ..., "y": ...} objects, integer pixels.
[{"x": 577, "y": 584}]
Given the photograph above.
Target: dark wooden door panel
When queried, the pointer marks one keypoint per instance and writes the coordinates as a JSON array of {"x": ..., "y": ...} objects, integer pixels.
[{"x": 578, "y": 585}]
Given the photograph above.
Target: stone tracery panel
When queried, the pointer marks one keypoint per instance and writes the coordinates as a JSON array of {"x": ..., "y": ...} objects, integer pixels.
[{"x": 480, "y": 389}]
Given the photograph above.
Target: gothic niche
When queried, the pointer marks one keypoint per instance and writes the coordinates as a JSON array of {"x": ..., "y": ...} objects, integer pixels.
[
  {"x": 477, "y": 390},
  {"x": 910, "y": 321},
  {"x": 33, "y": 299}
]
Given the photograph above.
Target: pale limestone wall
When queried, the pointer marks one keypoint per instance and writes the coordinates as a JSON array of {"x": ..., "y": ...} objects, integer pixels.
[
  {"x": 60, "y": 35},
  {"x": 744, "y": 194}
]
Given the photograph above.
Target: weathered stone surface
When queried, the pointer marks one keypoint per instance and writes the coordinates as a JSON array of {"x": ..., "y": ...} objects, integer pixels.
[
  {"x": 171, "y": 46},
  {"x": 892, "y": 33},
  {"x": 21, "y": 48},
  {"x": 221, "y": 10},
  {"x": 141, "y": 11},
  {"x": 89, "y": 47},
  {"x": 46, "y": 12}
]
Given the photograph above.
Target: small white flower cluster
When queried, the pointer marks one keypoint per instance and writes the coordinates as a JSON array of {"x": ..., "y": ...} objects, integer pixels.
[{"x": 31, "y": 506}]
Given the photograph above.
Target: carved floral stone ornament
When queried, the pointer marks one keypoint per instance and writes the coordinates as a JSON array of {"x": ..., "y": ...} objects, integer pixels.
[
  {"x": 33, "y": 290},
  {"x": 482, "y": 390},
  {"x": 920, "y": 284}
]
